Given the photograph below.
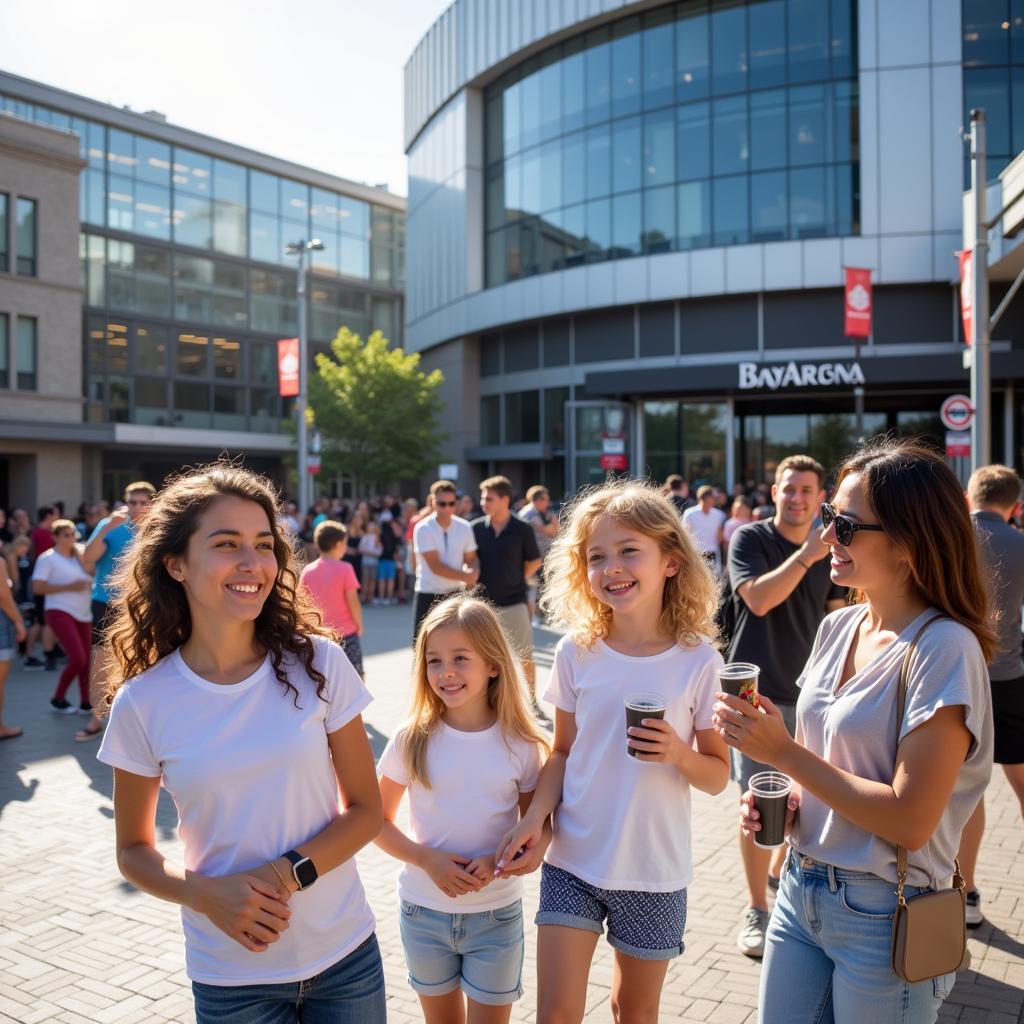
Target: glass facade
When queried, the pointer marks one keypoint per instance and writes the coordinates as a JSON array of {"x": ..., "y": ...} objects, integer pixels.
[
  {"x": 993, "y": 56},
  {"x": 692, "y": 125},
  {"x": 4, "y": 263},
  {"x": 186, "y": 282}
]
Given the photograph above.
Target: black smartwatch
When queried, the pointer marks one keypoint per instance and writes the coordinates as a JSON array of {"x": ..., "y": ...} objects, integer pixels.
[{"x": 303, "y": 869}]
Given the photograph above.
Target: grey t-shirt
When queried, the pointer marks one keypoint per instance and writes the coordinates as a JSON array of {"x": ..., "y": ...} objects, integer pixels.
[
  {"x": 1002, "y": 551},
  {"x": 855, "y": 729}
]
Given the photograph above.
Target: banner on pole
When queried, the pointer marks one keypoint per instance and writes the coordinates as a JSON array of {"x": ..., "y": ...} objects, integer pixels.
[
  {"x": 966, "y": 257},
  {"x": 288, "y": 367},
  {"x": 858, "y": 303}
]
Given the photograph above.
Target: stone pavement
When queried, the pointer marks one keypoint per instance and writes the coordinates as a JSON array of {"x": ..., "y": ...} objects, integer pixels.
[{"x": 79, "y": 944}]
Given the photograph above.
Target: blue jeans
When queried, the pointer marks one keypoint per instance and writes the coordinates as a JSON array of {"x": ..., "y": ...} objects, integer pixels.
[
  {"x": 828, "y": 952},
  {"x": 348, "y": 992}
]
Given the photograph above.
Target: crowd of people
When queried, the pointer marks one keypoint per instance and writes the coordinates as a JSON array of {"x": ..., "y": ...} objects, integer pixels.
[{"x": 228, "y": 637}]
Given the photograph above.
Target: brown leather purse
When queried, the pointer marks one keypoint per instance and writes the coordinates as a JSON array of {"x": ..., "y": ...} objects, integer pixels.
[{"x": 929, "y": 931}]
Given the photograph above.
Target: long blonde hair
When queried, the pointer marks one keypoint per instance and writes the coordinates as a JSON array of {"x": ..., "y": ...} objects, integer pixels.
[
  {"x": 690, "y": 598},
  {"x": 506, "y": 693}
]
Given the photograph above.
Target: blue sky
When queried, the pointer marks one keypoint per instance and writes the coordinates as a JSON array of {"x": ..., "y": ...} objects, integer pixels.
[{"x": 312, "y": 81}]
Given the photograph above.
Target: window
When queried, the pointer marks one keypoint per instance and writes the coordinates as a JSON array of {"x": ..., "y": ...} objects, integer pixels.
[
  {"x": 5, "y": 347},
  {"x": 192, "y": 358},
  {"x": 151, "y": 349},
  {"x": 3, "y": 232},
  {"x": 490, "y": 419},
  {"x": 25, "y": 239},
  {"x": 26, "y": 357},
  {"x": 693, "y": 124},
  {"x": 522, "y": 417}
]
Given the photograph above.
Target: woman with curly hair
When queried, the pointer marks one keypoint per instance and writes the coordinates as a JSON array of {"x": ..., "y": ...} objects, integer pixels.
[
  {"x": 639, "y": 600},
  {"x": 229, "y": 693}
]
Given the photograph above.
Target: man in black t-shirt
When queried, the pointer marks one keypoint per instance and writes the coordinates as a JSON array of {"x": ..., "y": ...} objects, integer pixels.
[
  {"x": 781, "y": 590},
  {"x": 679, "y": 493},
  {"x": 508, "y": 555}
]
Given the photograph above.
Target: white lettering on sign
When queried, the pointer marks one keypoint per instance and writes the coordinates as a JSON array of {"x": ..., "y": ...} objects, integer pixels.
[{"x": 799, "y": 375}]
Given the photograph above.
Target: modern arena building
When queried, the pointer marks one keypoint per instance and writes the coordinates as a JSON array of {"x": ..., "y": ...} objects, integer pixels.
[{"x": 628, "y": 224}]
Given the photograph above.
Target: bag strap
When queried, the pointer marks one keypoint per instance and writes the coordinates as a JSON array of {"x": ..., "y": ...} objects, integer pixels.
[{"x": 901, "y": 706}]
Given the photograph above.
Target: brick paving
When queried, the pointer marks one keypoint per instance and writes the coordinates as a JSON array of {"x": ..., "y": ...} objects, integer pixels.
[{"x": 79, "y": 944}]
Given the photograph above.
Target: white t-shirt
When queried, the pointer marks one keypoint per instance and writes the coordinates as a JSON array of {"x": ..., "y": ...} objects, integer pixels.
[
  {"x": 473, "y": 800},
  {"x": 624, "y": 823},
  {"x": 251, "y": 776},
  {"x": 855, "y": 729},
  {"x": 52, "y": 567},
  {"x": 704, "y": 527},
  {"x": 452, "y": 545}
]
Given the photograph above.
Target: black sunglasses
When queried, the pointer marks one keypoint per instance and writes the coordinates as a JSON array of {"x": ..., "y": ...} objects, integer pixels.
[
  {"x": 445, "y": 504},
  {"x": 845, "y": 528}
]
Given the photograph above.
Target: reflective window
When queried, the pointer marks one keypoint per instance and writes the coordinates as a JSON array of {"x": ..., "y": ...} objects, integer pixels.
[
  {"x": 751, "y": 104},
  {"x": 193, "y": 357},
  {"x": 193, "y": 221},
  {"x": 193, "y": 172},
  {"x": 5, "y": 367},
  {"x": 151, "y": 405},
  {"x": 191, "y": 404},
  {"x": 26, "y": 354},
  {"x": 25, "y": 238},
  {"x": 227, "y": 358},
  {"x": 151, "y": 349}
]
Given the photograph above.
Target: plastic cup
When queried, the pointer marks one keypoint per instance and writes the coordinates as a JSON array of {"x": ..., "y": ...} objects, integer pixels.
[
  {"x": 638, "y": 707},
  {"x": 770, "y": 791},
  {"x": 740, "y": 680}
]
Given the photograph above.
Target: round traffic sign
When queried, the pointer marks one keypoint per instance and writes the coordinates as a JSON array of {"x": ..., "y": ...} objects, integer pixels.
[{"x": 957, "y": 413}]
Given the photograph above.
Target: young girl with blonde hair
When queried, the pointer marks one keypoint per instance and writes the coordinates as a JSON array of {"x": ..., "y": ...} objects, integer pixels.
[
  {"x": 638, "y": 601},
  {"x": 469, "y": 755}
]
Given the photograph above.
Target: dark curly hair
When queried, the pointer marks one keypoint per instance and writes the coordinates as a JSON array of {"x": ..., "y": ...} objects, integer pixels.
[{"x": 151, "y": 613}]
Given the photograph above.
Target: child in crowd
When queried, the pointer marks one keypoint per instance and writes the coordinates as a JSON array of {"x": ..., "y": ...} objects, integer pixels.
[
  {"x": 231, "y": 696},
  {"x": 370, "y": 549},
  {"x": 332, "y": 584},
  {"x": 639, "y": 602},
  {"x": 469, "y": 756}
]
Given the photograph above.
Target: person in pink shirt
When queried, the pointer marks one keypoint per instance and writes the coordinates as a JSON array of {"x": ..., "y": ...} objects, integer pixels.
[{"x": 334, "y": 588}]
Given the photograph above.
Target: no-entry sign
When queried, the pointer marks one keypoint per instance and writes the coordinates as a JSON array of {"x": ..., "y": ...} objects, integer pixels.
[{"x": 957, "y": 413}]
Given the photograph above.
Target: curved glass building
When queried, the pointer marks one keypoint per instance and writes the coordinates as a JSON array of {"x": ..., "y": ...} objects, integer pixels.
[{"x": 628, "y": 225}]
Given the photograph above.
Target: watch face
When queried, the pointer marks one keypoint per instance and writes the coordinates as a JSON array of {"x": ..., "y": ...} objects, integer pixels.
[{"x": 305, "y": 873}]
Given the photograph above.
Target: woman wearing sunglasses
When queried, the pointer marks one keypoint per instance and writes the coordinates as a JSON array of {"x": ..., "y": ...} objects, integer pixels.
[{"x": 901, "y": 539}]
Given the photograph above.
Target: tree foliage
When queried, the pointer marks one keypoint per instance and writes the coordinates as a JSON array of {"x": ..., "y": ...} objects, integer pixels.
[{"x": 376, "y": 410}]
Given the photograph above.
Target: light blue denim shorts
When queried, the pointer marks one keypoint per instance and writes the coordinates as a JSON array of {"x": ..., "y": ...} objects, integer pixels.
[{"x": 480, "y": 953}]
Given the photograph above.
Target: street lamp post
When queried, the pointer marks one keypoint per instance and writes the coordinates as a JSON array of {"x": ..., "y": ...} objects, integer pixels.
[
  {"x": 300, "y": 248},
  {"x": 981, "y": 380}
]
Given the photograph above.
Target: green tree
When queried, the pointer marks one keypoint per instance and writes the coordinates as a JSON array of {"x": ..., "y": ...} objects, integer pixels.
[{"x": 376, "y": 410}]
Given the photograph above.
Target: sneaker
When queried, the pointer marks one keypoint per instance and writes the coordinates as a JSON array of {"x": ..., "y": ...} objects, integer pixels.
[
  {"x": 32, "y": 665},
  {"x": 85, "y": 709},
  {"x": 751, "y": 937},
  {"x": 975, "y": 918},
  {"x": 62, "y": 707},
  {"x": 51, "y": 662}
]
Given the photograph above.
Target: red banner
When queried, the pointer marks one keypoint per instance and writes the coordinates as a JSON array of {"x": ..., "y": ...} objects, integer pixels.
[
  {"x": 858, "y": 303},
  {"x": 288, "y": 367},
  {"x": 967, "y": 291}
]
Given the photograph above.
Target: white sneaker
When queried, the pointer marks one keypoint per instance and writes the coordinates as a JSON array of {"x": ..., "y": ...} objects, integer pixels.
[
  {"x": 975, "y": 918},
  {"x": 751, "y": 937}
]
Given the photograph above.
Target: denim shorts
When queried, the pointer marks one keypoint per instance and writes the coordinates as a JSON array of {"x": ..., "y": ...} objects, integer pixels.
[
  {"x": 480, "y": 953},
  {"x": 7, "y": 643},
  {"x": 644, "y": 925},
  {"x": 348, "y": 992},
  {"x": 828, "y": 952}
]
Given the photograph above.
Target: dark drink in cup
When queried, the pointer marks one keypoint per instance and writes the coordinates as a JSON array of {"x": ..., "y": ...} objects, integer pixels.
[
  {"x": 770, "y": 792},
  {"x": 638, "y": 707},
  {"x": 740, "y": 680}
]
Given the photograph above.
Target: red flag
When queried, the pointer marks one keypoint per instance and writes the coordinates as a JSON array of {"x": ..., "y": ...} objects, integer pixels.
[
  {"x": 967, "y": 291},
  {"x": 858, "y": 303},
  {"x": 288, "y": 367}
]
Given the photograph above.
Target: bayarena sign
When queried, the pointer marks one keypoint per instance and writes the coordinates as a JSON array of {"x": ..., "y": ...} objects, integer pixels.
[{"x": 799, "y": 375}]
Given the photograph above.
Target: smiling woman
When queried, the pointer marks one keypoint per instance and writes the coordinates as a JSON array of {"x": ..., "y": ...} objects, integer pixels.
[{"x": 209, "y": 631}]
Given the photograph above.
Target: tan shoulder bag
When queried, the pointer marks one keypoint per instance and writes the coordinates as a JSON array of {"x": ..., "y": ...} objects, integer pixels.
[{"x": 929, "y": 931}]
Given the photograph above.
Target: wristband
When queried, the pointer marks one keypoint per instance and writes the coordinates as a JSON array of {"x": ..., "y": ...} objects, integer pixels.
[
  {"x": 807, "y": 568},
  {"x": 280, "y": 878}
]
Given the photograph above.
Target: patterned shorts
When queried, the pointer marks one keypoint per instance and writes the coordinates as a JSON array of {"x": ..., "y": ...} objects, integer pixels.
[{"x": 645, "y": 925}]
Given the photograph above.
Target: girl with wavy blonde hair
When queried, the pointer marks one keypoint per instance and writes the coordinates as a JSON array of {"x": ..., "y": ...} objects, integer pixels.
[
  {"x": 230, "y": 695},
  {"x": 638, "y": 601},
  {"x": 469, "y": 755}
]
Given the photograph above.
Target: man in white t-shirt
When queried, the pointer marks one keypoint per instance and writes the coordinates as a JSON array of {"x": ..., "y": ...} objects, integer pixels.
[
  {"x": 705, "y": 523},
  {"x": 445, "y": 551}
]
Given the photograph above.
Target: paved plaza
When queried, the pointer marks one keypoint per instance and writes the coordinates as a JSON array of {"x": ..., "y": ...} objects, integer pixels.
[{"x": 79, "y": 944}]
